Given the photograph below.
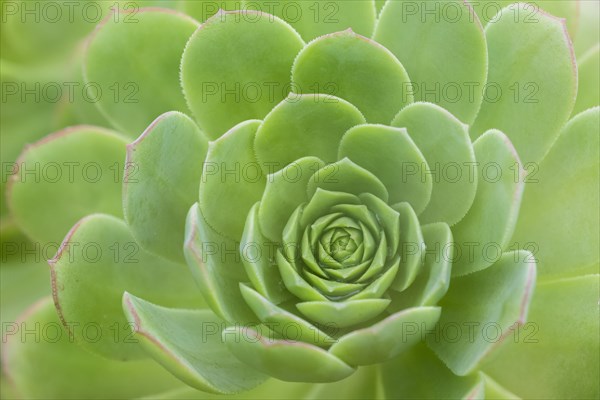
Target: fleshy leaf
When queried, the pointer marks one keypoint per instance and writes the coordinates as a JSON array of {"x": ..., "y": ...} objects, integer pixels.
[
  {"x": 355, "y": 69},
  {"x": 320, "y": 17},
  {"x": 488, "y": 11},
  {"x": 332, "y": 288},
  {"x": 389, "y": 218},
  {"x": 74, "y": 172},
  {"x": 237, "y": 67},
  {"x": 386, "y": 339},
  {"x": 45, "y": 363},
  {"x": 202, "y": 10},
  {"x": 451, "y": 165},
  {"x": 98, "y": 260},
  {"x": 188, "y": 344},
  {"x": 23, "y": 279},
  {"x": 412, "y": 246},
  {"x": 321, "y": 203},
  {"x": 533, "y": 80},
  {"x": 286, "y": 360},
  {"x": 443, "y": 51},
  {"x": 286, "y": 324},
  {"x": 258, "y": 257},
  {"x": 304, "y": 125},
  {"x": 493, "y": 390},
  {"x": 232, "y": 180},
  {"x": 285, "y": 190},
  {"x": 348, "y": 177},
  {"x": 135, "y": 82},
  {"x": 49, "y": 37},
  {"x": 363, "y": 384},
  {"x": 588, "y": 93},
  {"x": 433, "y": 278},
  {"x": 486, "y": 230},
  {"x": 562, "y": 337},
  {"x": 588, "y": 29},
  {"x": 441, "y": 383},
  {"x": 163, "y": 169},
  {"x": 216, "y": 266},
  {"x": 16, "y": 122},
  {"x": 480, "y": 309},
  {"x": 380, "y": 285},
  {"x": 295, "y": 283},
  {"x": 559, "y": 215},
  {"x": 344, "y": 313},
  {"x": 391, "y": 155}
]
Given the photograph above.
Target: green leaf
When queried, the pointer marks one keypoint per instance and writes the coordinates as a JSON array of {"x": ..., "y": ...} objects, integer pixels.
[
  {"x": 363, "y": 384},
  {"x": 357, "y": 213},
  {"x": 46, "y": 363},
  {"x": 481, "y": 309},
  {"x": 237, "y": 67},
  {"x": 73, "y": 172},
  {"x": 317, "y": 18},
  {"x": 425, "y": 37},
  {"x": 386, "y": 339},
  {"x": 163, "y": 169},
  {"x": 84, "y": 108},
  {"x": 321, "y": 203},
  {"x": 23, "y": 279},
  {"x": 99, "y": 260},
  {"x": 570, "y": 11},
  {"x": 188, "y": 344},
  {"x": 332, "y": 289},
  {"x": 286, "y": 324},
  {"x": 286, "y": 360},
  {"x": 533, "y": 80},
  {"x": 488, "y": 11},
  {"x": 493, "y": 390},
  {"x": 348, "y": 273},
  {"x": 201, "y": 10},
  {"x": 272, "y": 389},
  {"x": 17, "y": 127},
  {"x": 559, "y": 215},
  {"x": 388, "y": 217},
  {"x": 403, "y": 378},
  {"x": 588, "y": 94},
  {"x": 379, "y": 261},
  {"x": 295, "y": 283},
  {"x": 450, "y": 167},
  {"x": 391, "y": 155},
  {"x": 347, "y": 177},
  {"x": 23, "y": 97},
  {"x": 259, "y": 260},
  {"x": 47, "y": 34},
  {"x": 412, "y": 247},
  {"x": 137, "y": 81},
  {"x": 379, "y": 286},
  {"x": 304, "y": 125},
  {"x": 232, "y": 180},
  {"x": 216, "y": 266},
  {"x": 285, "y": 191},
  {"x": 379, "y": 5},
  {"x": 487, "y": 228},
  {"x": 588, "y": 29},
  {"x": 562, "y": 337},
  {"x": 344, "y": 313},
  {"x": 355, "y": 69},
  {"x": 433, "y": 278}
]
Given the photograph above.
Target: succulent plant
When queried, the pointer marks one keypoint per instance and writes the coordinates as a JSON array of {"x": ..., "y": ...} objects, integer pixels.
[{"x": 371, "y": 199}]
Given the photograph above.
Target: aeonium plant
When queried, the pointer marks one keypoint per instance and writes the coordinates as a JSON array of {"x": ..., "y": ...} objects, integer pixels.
[{"x": 349, "y": 229}]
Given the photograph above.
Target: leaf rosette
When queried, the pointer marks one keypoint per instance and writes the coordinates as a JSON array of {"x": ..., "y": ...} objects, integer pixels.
[{"x": 331, "y": 214}]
